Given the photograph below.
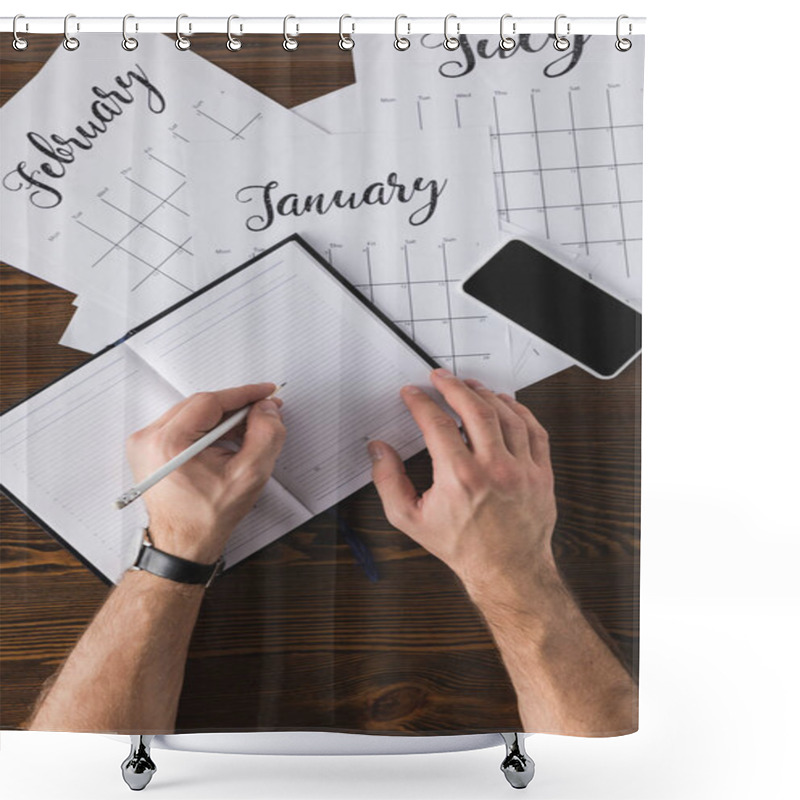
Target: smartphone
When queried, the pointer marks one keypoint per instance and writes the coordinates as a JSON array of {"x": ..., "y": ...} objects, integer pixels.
[{"x": 536, "y": 293}]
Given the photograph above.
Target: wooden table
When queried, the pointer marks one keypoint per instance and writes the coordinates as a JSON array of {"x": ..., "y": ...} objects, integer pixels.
[{"x": 296, "y": 637}]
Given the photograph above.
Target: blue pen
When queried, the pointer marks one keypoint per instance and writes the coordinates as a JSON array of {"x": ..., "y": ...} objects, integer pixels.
[{"x": 357, "y": 545}]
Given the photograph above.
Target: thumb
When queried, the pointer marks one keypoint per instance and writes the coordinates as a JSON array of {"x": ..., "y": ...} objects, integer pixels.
[
  {"x": 263, "y": 440},
  {"x": 397, "y": 493}
]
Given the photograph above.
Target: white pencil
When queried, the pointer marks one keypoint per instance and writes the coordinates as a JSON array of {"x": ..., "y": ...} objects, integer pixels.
[{"x": 190, "y": 452}]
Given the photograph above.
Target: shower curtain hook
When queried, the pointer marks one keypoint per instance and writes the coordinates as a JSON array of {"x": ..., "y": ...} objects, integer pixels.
[
  {"x": 400, "y": 42},
  {"x": 346, "y": 39},
  {"x": 233, "y": 44},
  {"x": 623, "y": 45},
  {"x": 506, "y": 42},
  {"x": 561, "y": 43},
  {"x": 181, "y": 42},
  {"x": 70, "y": 42},
  {"x": 289, "y": 42},
  {"x": 128, "y": 42},
  {"x": 18, "y": 43},
  {"x": 451, "y": 42}
]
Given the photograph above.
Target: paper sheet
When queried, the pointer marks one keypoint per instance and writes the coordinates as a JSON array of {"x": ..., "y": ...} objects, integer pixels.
[
  {"x": 336, "y": 112},
  {"x": 95, "y": 193},
  {"x": 567, "y": 147},
  {"x": 63, "y": 456},
  {"x": 413, "y": 216}
]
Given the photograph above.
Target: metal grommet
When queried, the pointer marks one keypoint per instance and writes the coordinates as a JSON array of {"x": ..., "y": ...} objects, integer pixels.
[
  {"x": 346, "y": 39},
  {"x": 289, "y": 42},
  {"x": 181, "y": 42},
  {"x": 451, "y": 42},
  {"x": 506, "y": 42},
  {"x": 561, "y": 43},
  {"x": 623, "y": 45},
  {"x": 400, "y": 42},
  {"x": 233, "y": 44},
  {"x": 70, "y": 42},
  {"x": 18, "y": 43},
  {"x": 128, "y": 42}
]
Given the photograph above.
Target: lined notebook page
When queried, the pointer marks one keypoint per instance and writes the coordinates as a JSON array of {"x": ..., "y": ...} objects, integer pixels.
[
  {"x": 285, "y": 318},
  {"x": 63, "y": 456}
]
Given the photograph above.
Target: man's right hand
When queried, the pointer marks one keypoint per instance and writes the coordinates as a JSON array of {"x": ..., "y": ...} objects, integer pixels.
[{"x": 194, "y": 510}]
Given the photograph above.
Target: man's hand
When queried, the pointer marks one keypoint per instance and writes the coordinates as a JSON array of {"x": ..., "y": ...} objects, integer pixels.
[
  {"x": 490, "y": 516},
  {"x": 194, "y": 510},
  {"x": 126, "y": 672},
  {"x": 491, "y": 510}
]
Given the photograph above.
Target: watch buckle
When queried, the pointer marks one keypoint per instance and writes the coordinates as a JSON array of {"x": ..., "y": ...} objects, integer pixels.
[{"x": 218, "y": 567}]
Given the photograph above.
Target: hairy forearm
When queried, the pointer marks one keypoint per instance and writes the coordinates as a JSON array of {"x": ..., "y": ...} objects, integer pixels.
[
  {"x": 126, "y": 673},
  {"x": 566, "y": 678}
]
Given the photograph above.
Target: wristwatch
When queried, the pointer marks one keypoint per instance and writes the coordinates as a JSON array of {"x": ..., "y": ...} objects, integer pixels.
[{"x": 174, "y": 568}]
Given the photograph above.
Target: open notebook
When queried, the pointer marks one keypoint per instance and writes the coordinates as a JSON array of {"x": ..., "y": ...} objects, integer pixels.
[{"x": 284, "y": 316}]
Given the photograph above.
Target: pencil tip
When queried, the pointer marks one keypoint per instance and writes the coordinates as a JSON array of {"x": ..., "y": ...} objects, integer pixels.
[{"x": 119, "y": 504}]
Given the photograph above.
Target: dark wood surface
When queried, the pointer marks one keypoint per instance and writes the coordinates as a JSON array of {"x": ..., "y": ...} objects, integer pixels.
[{"x": 296, "y": 637}]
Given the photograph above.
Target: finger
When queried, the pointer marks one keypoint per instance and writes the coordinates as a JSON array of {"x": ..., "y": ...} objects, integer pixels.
[
  {"x": 254, "y": 391},
  {"x": 442, "y": 436},
  {"x": 237, "y": 434},
  {"x": 398, "y": 495},
  {"x": 203, "y": 411},
  {"x": 515, "y": 432},
  {"x": 539, "y": 440},
  {"x": 262, "y": 444},
  {"x": 479, "y": 419}
]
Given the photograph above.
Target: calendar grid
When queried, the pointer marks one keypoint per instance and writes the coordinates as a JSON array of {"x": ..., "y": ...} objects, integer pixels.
[
  {"x": 122, "y": 244},
  {"x": 616, "y": 178},
  {"x": 570, "y": 199}
]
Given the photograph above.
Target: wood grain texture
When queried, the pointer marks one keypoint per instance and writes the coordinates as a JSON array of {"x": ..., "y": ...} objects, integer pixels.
[{"x": 296, "y": 637}]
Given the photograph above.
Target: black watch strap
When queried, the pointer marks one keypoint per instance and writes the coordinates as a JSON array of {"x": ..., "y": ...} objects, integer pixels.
[{"x": 174, "y": 568}]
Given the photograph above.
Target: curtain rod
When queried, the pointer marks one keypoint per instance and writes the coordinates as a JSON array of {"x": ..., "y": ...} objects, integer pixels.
[{"x": 301, "y": 24}]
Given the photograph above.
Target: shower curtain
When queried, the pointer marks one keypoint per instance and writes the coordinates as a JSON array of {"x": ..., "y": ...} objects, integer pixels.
[{"x": 188, "y": 231}]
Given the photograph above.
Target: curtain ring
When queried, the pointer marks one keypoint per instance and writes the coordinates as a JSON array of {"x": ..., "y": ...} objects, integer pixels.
[
  {"x": 233, "y": 44},
  {"x": 18, "y": 43},
  {"x": 128, "y": 42},
  {"x": 289, "y": 42},
  {"x": 400, "y": 42},
  {"x": 346, "y": 40},
  {"x": 451, "y": 42},
  {"x": 181, "y": 42},
  {"x": 623, "y": 45},
  {"x": 506, "y": 42},
  {"x": 70, "y": 42},
  {"x": 561, "y": 43}
]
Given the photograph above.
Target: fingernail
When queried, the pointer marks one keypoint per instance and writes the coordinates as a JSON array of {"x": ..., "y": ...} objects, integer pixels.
[
  {"x": 411, "y": 390},
  {"x": 507, "y": 397},
  {"x": 443, "y": 373},
  {"x": 474, "y": 384},
  {"x": 268, "y": 407},
  {"x": 375, "y": 451}
]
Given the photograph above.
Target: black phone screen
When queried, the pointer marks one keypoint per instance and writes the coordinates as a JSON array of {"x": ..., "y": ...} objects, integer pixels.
[{"x": 554, "y": 303}]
